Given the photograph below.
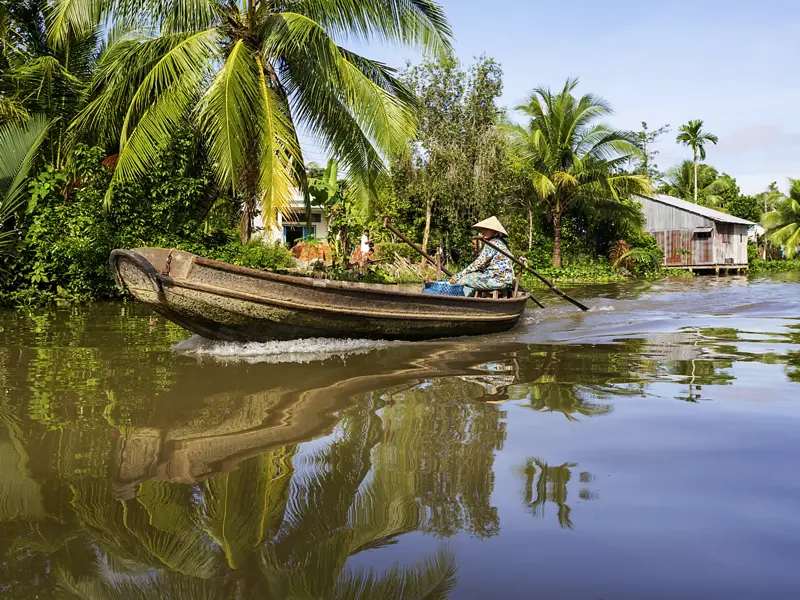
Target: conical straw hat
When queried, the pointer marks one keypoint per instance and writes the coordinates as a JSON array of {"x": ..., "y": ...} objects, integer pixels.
[{"x": 491, "y": 223}]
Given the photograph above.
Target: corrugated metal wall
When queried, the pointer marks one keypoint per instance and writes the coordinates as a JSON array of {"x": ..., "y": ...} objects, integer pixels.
[
  {"x": 684, "y": 248},
  {"x": 730, "y": 244},
  {"x": 675, "y": 230}
]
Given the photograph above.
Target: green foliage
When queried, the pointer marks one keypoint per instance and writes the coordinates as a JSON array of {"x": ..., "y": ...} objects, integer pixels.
[
  {"x": 600, "y": 271},
  {"x": 249, "y": 75},
  {"x": 255, "y": 254},
  {"x": 643, "y": 258},
  {"x": 645, "y": 164},
  {"x": 387, "y": 250},
  {"x": 19, "y": 145},
  {"x": 68, "y": 234},
  {"x": 783, "y": 224},
  {"x": 570, "y": 159},
  {"x": 774, "y": 266},
  {"x": 712, "y": 189},
  {"x": 752, "y": 254},
  {"x": 449, "y": 176},
  {"x": 745, "y": 207}
]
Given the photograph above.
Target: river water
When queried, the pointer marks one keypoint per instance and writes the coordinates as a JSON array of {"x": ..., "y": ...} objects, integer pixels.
[{"x": 647, "y": 449}]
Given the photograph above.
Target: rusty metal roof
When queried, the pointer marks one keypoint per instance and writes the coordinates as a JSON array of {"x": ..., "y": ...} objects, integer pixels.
[{"x": 703, "y": 211}]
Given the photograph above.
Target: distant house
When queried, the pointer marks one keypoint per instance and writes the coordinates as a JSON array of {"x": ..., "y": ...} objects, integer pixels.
[
  {"x": 696, "y": 237},
  {"x": 292, "y": 226}
]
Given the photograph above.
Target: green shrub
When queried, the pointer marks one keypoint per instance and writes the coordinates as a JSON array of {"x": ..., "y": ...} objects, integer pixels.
[
  {"x": 752, "y": 253},
  {"x": 68, "y": 233},
  {"x": 587, "y": 272},
  {"x": 774, "y": 266},
  {"x": 387, "y": 250},
  {"x": 256, "y": 254}
]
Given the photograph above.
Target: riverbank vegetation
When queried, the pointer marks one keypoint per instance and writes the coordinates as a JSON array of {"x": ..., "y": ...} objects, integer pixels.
[{"x": 183, "y": 135}]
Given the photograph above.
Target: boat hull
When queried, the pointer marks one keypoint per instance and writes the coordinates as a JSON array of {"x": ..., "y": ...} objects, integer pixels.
[{"x": 227, "y": 302}]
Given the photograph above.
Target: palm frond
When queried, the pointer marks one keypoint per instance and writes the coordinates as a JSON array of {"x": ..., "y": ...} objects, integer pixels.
[
  {"x": 160, "y": 104},
  {"x": 127, "y": 529},
  {"x": 783, "y": 224},
  {"x": 381, "y": 106},
  {"x": 244, "y": 509},
  {"x": 418, "y": 23},
  {"x": 73, "y": 19},
  {"x": 19, "y": 145},
  {"x": 431, "y": 579}
]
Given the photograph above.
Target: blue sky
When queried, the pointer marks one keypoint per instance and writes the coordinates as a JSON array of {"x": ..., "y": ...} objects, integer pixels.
[{"x": 734, "y": 64}]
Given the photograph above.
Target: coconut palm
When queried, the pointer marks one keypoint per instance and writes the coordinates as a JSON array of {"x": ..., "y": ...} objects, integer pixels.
[
  {"x": 19, "y": 145},
  {"x": 702, "y": 182},
  {"x": 37, "y": 77},
  {"x": 693, "y": 136},
  {"x": 783, "y": 224},
  {"x": 572, "y": 159},
  {"x": 772, "y": 196},
  {"x": 249, "y": 74}
]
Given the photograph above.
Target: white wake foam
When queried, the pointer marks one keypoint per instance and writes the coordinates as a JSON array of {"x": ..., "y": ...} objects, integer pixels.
[
  {"x": 303, "y": 350},
  {"x": 601, "y": 308}
]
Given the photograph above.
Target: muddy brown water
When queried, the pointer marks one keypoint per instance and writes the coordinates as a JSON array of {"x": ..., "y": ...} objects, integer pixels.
[{"x": 646, "y": 449}]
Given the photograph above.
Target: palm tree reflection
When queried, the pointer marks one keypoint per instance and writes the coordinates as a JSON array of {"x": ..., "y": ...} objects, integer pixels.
[
  {"x": 545, "y": 483},
  {"x": 276, "y": 527}
]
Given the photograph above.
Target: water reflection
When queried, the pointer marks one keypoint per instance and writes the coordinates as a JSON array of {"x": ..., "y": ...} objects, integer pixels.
[{"x": 130, "y": 471}]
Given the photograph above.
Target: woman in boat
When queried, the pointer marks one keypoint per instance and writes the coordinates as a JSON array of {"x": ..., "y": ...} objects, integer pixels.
[{"x": 491, "y": 270}]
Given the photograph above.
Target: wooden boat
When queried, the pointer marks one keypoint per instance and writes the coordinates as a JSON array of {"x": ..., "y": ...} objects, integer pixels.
[{"x": 227, "y": 302}]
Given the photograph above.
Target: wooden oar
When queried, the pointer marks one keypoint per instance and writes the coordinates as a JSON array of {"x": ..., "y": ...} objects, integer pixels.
[
  {"x": 427, "y": 257},
  {"x": 541, "y": 278},
  {"x": 421, "y": 252}
]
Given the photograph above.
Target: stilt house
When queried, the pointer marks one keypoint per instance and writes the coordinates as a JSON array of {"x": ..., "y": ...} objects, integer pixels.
[{"x": 696, "y": 237}]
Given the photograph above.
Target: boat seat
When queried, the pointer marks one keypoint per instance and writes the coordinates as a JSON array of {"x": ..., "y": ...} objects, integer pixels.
[{"x": 504, "y": 293}]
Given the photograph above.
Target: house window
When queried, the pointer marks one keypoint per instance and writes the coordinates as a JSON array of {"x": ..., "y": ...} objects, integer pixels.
[
  {"x": 295, "y": 233},
  {"x": 703, "y": 235}
]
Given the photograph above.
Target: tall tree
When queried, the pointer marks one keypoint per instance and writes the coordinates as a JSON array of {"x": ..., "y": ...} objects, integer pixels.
[
  {"x": 447, "y": 168},
  {"x": 771, "y": 197},
  {"x": 570, "y": 158},
  {"x": 248, "y": 74},
  {"x": 646, "y": 164},
  {"x": 783, "y": 224},
  {"x": 693, "y": 136}
]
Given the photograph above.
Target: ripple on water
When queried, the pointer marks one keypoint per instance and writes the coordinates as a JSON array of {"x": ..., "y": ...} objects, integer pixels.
[{"x": 298, "y": 351}]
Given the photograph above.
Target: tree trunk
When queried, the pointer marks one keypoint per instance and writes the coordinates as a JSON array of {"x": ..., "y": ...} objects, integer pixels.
[
  {"x": 426, "y": 233},
  {"x": 695, "y": 176},
  {"x": 249, "y": 204},
  {"x": 530, "y": 229},
  {"x": 557, "y": 239},
  {"x": 246, "y": 219}
]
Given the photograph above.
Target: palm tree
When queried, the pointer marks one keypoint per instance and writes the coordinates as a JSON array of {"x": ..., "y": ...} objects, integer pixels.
[
  {"x": 248, "y": 74},
  {"x": 572, "y": 159},
  {"x": 772, "y": 197},
  {"x": 38, "y": 77},
  {"x": 783, "y": 224},
  {"x": 701, "y": 181},
  {"x": 692, "y": 135}
]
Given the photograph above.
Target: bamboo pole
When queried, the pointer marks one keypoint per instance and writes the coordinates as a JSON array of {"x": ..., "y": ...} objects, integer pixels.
[{"x": 541, "y": 278}]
